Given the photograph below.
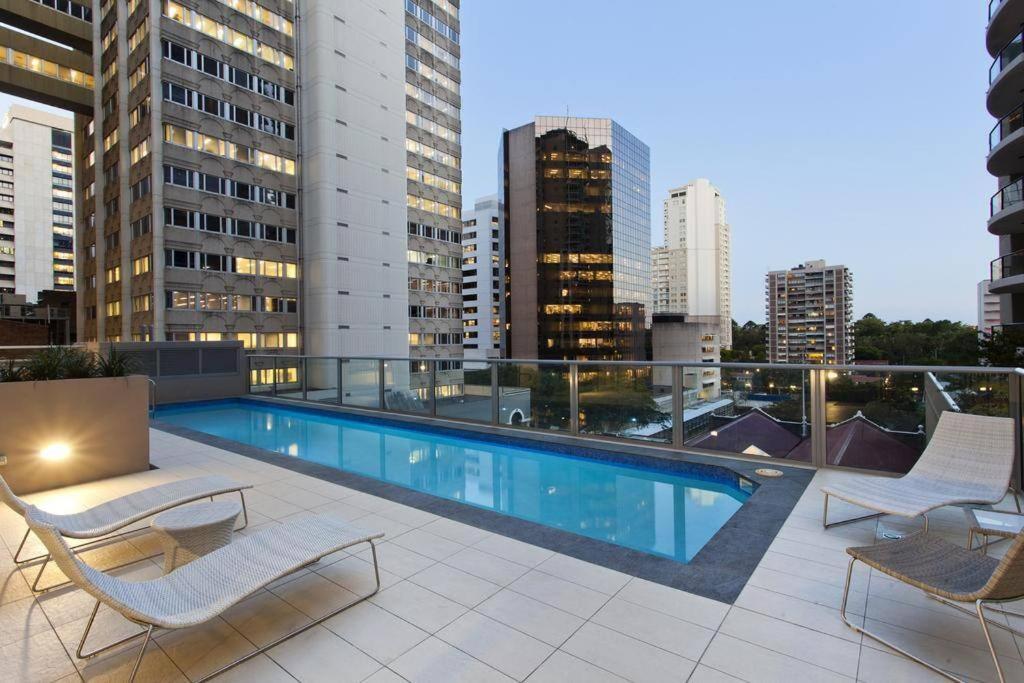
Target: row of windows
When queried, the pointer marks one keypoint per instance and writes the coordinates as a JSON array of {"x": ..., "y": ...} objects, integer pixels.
[
  {"x": 434, "y": 233},
  {"x": 436, "y": 312},
  {"x": 443, "y": 286},
  {"x": 430, "y": 20},
  {"x": 213, "y": 67},
  {"x": 434, "y": 339},
  {"x": 78, "y": 11},
  {"x": 433, "y": 206},
  {"x": 432, "y": 153},
  {"x": 140, "y": 34},
  {"x": 439, "y": 260},
  {"x": 432, "y": 127},
  {"x": 45, "y": 67},
  {"x": 206, "y": 301},
  {"x": 261, "y": 14},
  {"x": 138, "y": 74},
  {"x": 430, "y": 46},
  {"x": 432, "y": 100},
  {"x": 432, "y": 74},
  {"x": 196, "y": 220},
  {"x": 433, "y": 180},
  {"x": 200, "y": 260},
  {"x": 207, "y": 182},
  {"x": 225, "y": 110},
  {"x": 251, "y": 340},
  {"x": 225, "y": 34},
  {"x": 193, "y": 139}
]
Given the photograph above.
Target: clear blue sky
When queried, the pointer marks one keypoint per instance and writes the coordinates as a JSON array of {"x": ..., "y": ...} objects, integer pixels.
[{"x": 850, "y": 131}]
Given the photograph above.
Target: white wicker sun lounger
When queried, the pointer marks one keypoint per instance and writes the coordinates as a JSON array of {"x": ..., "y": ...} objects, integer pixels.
[
  {"x": 969, "y": 460},
  {"x": 102, "y": 521},
  {"x": 207, "y": 586}
]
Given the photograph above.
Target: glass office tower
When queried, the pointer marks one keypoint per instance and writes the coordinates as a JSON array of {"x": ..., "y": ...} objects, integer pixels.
[{"x": 577, "y": 198}]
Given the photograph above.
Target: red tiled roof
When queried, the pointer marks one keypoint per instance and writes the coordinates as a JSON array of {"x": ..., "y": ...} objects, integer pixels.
[
  {"x": 753, "y": 429},
  {"x": 857, "y": 442}
]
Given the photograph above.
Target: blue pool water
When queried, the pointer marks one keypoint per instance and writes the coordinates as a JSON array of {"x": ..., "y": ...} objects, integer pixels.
[{"x": 672, "y": 514}]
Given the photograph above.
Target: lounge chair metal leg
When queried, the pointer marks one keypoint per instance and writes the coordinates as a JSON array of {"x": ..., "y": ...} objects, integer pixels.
[
  {"x": 142, "y": 651},
  {"x": 988, "y": 639},
  {"x": 826, "y": 524},
  {"x": 21, "y": 546},
  {"x": 971, "y": 613},
  {"x": 35, "y": 584},
  {"x": 858, "y": 629},
  {"x": 245, "y": 512},
  {"x": 80, "y": 652},
  {"x": 305, "y": 627}
]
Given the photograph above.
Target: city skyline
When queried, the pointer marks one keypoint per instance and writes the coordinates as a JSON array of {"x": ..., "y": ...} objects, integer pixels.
[{"x": 809, "y": 151}]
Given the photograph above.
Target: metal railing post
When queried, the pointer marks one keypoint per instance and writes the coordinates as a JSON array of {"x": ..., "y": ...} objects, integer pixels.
[
  {"x": 495, "y": 395},
  {"x": 819, "y": 444},
  {"x": 304, "y": 364},
  {"x": 574, "y": 399},
  {"x": 433, "y": 387},
  {"x": 274, "y": 375},
  {"x": 381, "y": 367},
  {"x": 678, "y": 427},
  {"x": 1017, "y": 413},
  {"x": 340, "y": 373}
]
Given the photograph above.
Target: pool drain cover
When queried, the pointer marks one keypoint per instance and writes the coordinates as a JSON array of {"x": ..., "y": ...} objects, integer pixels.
[{"x": 768, "y": 472}]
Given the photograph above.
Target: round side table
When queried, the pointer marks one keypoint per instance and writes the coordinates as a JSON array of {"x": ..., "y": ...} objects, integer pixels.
[{"x": 189, "y": 532}]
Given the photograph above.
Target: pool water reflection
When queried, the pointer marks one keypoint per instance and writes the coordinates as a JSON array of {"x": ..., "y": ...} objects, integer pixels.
[{"x": 670, "y": 514}]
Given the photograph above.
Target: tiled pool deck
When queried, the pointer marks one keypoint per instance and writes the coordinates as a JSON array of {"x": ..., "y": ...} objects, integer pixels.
[{"x": 460, "y": 603}]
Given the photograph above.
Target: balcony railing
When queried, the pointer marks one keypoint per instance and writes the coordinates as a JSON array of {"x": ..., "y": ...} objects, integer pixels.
[
  {"x": 1010, "y": 52},
  {"x": 1008, "y": 195},
  {"x": 872, "y": 417},
  {"x": 993, "y": 5},
  {"x": 1006, "y": 126},
  {"x": 1007, "y": 265}
]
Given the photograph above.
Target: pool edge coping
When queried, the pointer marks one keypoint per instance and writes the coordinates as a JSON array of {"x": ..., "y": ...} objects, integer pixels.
[{"x": 719, "y": 571}]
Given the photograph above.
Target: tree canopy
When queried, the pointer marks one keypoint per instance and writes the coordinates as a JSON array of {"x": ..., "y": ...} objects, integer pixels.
[{"x": 901, "y": 342}]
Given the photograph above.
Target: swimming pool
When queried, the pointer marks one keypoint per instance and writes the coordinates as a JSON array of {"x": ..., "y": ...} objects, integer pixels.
[{"x": 671, "y": 513}]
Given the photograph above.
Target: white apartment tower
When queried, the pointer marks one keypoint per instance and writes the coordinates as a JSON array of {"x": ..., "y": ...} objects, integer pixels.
[
  {"x": 482, "y": 277},
  {"x": 36, "y": 203},
  {"x": 810, "y": 314},
  {"x": 692, "y": 272},
  {"x": 989, "y": 309},
  {"x": 381, "y": 181}
]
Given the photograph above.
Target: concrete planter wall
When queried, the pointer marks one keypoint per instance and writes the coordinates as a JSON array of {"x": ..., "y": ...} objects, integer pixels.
[{"x": 101, "y": 425}]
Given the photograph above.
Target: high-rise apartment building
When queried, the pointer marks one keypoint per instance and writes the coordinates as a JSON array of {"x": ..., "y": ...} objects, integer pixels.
[
  {"x": 692, "y": 272},
  {"x": 188, "y": 178},
  {"x": 1006, "y": 157},
  {"x": 219, "y": 199},
  {"x": 988, "y": 308},
  {"x": 577, "y": 240},
  {"x": 37, "y": 203},
  {"x": 810, "y": 314},
  {"x": 483, "y": 277},
  {"x": 381, "y": 182}
]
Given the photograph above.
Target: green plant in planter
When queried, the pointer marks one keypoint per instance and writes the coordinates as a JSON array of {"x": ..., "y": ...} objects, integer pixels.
[
  {"x": 115, "y": 364},
  {"x": 78, "y": 363},
  {"x": 12, "y": 373},
  {"x": 47, "y": 364}
]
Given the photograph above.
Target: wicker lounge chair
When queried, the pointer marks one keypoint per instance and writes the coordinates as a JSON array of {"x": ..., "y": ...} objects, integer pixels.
[
  {"x": 102, "y": 521},
  {"x": 206, "y": 587},
  {"x": 950, "y": 574},
  {"x": 968, "y": 460}
]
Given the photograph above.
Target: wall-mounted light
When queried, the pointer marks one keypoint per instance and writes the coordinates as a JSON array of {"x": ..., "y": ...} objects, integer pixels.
[
  {"x": 832, "y": 374},
  {"x": 55, "y": 451}
]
